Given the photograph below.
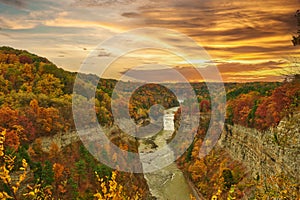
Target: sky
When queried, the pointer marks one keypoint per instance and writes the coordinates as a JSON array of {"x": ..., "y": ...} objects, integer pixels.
[{"x": 245, "y": 40}]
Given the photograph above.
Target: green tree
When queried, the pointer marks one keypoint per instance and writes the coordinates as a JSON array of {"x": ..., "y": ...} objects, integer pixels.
[
  {"x": 47, "y": 174},
  {"x": 81, "y": 171},
  {"x": 228, "y": 178}
]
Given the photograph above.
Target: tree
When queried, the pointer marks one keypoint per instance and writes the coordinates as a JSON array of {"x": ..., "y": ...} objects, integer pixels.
[
  {"x": 47, "y": 120},
  {"x": 241, "y": 108},
  {"x": 80, "y": 170},
  {"x": 54, "y": 151},
  {"x": 47, "y": 174},
  {"x": 273, "y": 108},
  {"x": 4, "y": 85},
  {"x": 6, "y": 168},
  {"x": 110, "y": 189},
  {"x": 25, "y": 59},
  {"x": 204, "y": 105},
  {"x": 228, "y": 178},
  {"x": 13, "y": 140},
  {"x": 49, "y": 85},
  {"x": 8, "y": 117},
  {"x": 59, "y": 177}
]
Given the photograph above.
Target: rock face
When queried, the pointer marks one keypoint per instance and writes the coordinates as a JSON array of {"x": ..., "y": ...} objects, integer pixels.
[
  {"x": 266, "y": 153},
  {"x": 60, "y": 139},
  {"x": 63, "y": 139}
]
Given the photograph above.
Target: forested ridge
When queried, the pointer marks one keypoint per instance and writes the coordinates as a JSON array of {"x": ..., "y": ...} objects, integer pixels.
[{"x": 36, "y": 101}]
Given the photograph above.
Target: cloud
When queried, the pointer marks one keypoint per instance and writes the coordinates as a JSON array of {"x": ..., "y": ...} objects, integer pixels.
[
  {"x": 242, "y": 38},
  {"x": 237, "y": 67},
  {"x": 5, "y": 35},
  {"x": 16, "y": 3},
  {"x": 103, "y": 53},
  {"x": 65, "y": 22},
  {"x": 229, "y": 72},
  {"x": 131, "y": 14},
  {"x": 101, "y": 3},
  {"x": 214, "y": 21},
  {"x": 16, "y": 24}
]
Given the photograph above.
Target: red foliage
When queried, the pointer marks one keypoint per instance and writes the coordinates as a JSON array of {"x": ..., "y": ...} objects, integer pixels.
[
  {"x": 204, "y": 105},
  {"x": 242, "y": 107},
  {"x": 25, "y": 59},
  {"x": 29, "y": 128},
  {"x": 273, "y": 108}
]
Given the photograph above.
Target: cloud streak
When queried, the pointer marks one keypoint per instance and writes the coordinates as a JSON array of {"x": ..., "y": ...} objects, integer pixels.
[
  {"x": 101, "y": 3},
  {"x": 16, "y": 3},
  {"x": 230, "y": 72}
]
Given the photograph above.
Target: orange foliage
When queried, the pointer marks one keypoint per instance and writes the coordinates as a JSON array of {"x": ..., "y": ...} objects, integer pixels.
[
  {"x": 242, "y": 107},
  {"x": 58, "y": 170},
  {"x": 12, "y": 140},
  {"x": 47, "y": 120}
]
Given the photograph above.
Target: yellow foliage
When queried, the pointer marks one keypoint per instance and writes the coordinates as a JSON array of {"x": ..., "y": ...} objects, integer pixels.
[
  {"x": 214, "y": 197},
  {"x": 192, "y": 197},
  {"x": 2, "y": 139},
  {"x": 37, "y": 192},
  {"x": 112, "y": 190},
  {"x": 6, "y": 168},
  {"x": 4, "y": 196}
]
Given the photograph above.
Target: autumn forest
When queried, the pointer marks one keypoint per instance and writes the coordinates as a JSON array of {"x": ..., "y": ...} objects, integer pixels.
[{"x": 36, "y": 102}]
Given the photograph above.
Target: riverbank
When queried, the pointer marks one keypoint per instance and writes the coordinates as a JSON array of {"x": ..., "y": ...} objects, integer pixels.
[{"x": 167, "y": 182}]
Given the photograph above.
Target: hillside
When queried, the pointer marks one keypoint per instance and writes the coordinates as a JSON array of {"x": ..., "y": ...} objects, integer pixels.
[{"x": 36, "y": 102}]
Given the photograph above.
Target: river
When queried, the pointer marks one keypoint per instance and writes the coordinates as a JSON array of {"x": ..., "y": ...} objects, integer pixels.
[{"x": 169, "y": 182}]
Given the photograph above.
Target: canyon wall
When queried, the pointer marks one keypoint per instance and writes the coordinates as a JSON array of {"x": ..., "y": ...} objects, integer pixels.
[{"x": 266, "y": 153}]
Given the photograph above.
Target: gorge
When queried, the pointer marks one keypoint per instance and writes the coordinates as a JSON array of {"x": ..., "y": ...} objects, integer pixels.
[{"x": 263, "y": 153}]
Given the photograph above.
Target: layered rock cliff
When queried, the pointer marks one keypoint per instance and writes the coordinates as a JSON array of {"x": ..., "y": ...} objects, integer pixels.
[{"x": 276, "y": 151}]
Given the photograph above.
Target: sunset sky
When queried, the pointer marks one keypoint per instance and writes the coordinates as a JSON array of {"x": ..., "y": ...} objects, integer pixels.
[{"x": 246, "y": 40}]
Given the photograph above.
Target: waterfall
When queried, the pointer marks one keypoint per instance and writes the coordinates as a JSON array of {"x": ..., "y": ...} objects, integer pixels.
[{"x": 169, "y": 182}]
